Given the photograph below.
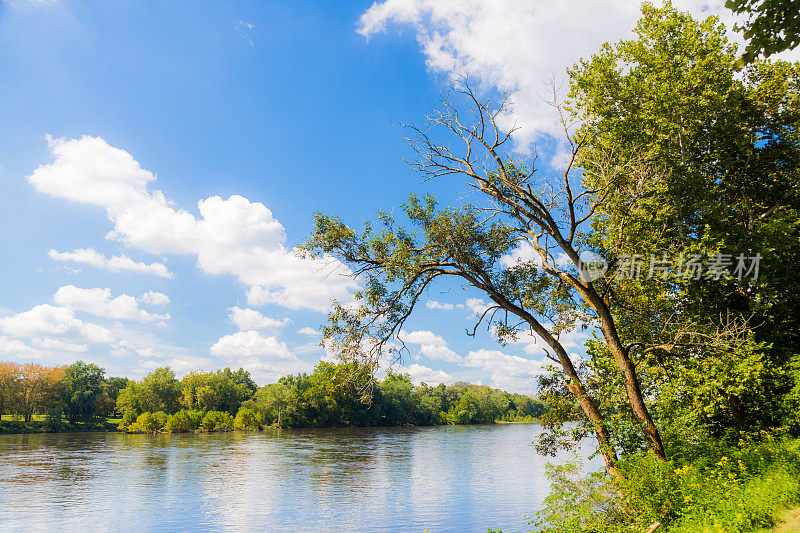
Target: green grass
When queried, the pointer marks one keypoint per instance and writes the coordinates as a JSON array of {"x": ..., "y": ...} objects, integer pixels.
[{"x": 14, "y": 425}]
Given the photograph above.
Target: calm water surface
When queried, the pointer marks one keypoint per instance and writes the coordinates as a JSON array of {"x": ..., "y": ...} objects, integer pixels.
[{"x": 450, "y": 478}]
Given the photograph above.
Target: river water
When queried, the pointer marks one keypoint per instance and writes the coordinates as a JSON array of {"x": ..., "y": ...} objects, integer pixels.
[{"x": 447, "y": 478}]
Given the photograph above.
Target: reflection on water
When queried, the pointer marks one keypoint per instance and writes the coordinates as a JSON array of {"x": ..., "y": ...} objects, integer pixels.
[{"x": 452, "y": 478}]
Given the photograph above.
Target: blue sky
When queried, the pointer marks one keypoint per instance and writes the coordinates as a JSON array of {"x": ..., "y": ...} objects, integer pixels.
[{"x": 264, "y": 112}]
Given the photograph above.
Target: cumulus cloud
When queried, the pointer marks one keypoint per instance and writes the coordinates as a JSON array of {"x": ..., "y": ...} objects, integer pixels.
[
  {"x": 115, "y": 263},
  {"x": 519, "y": 45},
  {"x": 524, "y": 253},
  {"x": 311, "y": 332},
  {"x": 264, "y": 357},
  {"x": 16, "y": 349},
  {"x": 508, "y": 372},
  {"x": 431, "y": 345},
  {"x": 231, "y": 236},
  {"x": 250, "y": 319},
  {"x": 99, "y": 302},
  {"x": 571, "y": 340},
  {"x": 477, "y": 305},
  {"x": 59, "y": 345},
  {"x": 423, "y": 374},
  {"x": 433, "y": 304},
  {"x": 48, "y": 320},
  {"x": 153, "y": 298}
]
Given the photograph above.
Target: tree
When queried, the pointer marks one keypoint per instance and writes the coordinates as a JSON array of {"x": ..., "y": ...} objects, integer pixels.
[
  {"x": 720, "y": 153},
  {"x": 83, "y": 385},
  {"x": 113, "y": 386},
  {"x": 772, "y": 26},
  {"x": 270, "y": 400},
  {"x": 39, "y": 389},
  {"x": 158, "y": 391},
  {"x": 9, "y": 383},
  {"x": 549, "y": 213}
]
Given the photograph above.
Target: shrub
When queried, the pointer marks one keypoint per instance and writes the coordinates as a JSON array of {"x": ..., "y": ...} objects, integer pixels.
[
  {"x": 738, "y": 489},
  {"x": 148, "y": 422},
  {"x": 184, "y": 421},
  {"x": 248, "y": 420},
  {"x": 217, "y": 421},
  {"x": 128, "y": 419}
]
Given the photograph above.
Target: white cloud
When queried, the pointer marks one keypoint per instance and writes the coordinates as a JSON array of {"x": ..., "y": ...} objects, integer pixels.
[
  {"x": 16, "y": 349},
  {"x": 47, "y": 320},
  {"x": 519, "y": 45},
  {"x": 57, "y": 345},
  {"x": 116, "y": 263},
  {"x": 433, "y": 304},
  {"x": 508, "y": 372},
  {"x": 250, "y": 319},
  {"x": 571, "y": 340},
  {"x": 234, "y": 236},
  {"x": 524, "y": 253},
  {"x": 477, "y": 305},
  {"x": 308, "y": 331},
  {"x": 264, "y": 357},
  {"x": 99, "y": 302},
  {"x": 431, "y": 345},
  {"x": 153, "y": 298},
  {"x": 420, "y": 374}
]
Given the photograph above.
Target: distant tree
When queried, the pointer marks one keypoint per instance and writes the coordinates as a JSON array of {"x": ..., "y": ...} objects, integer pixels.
[
  {"x": 772, "y": 26},
  {"x": 158, "y": 391},
  {"x": 9, "y": 383},
  {"x": 271, "y": 400},
  {"x": 111, "y": 389},
  {"x": 82, "y": 388},
  {"x": 39, "y": 389},
  {"x": 197, "y": 391}
]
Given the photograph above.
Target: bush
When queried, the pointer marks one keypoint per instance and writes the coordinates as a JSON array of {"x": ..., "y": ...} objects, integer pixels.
[
  {"x": 738, "y": 489},
  {"x": 148, "y": 422},
  {"x": 128, "y": 419},
  {"x": 217, "y": 421},
  {"x": 248, "y": 420},
  {"x": 184, "y": 421}
]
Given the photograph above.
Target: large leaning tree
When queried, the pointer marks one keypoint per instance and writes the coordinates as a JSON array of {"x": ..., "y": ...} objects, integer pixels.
[{"x": 516, "y": 205}]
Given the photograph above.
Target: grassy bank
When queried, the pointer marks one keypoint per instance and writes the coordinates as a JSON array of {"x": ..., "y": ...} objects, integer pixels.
[
  {"x": 746, "y": 487},
  {"x": 39, "y": 424}
]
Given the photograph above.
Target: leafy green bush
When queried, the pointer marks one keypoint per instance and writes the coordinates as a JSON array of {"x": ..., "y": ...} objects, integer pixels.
[
  {"x": 148, "y": 422},
  {"x": 184, "y": 421},
  {"x": 217, "y": 421},
  {"x": 738, "y": 489},
  {"x": 128, "y": 419},
  {"x": 248, "y": 419}
]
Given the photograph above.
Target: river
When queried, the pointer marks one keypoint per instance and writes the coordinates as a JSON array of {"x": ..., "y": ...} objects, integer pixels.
[{"x": 447, "y": 478}]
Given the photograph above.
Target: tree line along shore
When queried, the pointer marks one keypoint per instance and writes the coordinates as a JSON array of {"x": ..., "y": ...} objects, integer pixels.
[{"x": 79, "y": 397}]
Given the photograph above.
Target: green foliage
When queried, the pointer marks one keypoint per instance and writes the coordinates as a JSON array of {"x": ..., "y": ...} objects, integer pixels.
[
  {"x": 699, "y": 157},
  {"x": 735, "y": 489},
  {"x": 128, "y": 419},
  {"x": 217, "y": 421},
  {"x": 248, "y": 420},
  {"x": 148, "y": 422},
  {"x": 83, "y": 385},
  {"x": 223, "y": 390},
  {"x": 158, "y": 391},
  {"x": 184, "y": 421},
  {"x": 772, "y": 26}
]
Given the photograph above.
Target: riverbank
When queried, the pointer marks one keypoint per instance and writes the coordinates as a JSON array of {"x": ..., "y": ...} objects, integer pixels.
[{"x": 15, "y": 427}]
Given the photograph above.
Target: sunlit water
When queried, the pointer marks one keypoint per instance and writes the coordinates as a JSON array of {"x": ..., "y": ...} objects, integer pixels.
[{"x": 451, "y": 478}]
